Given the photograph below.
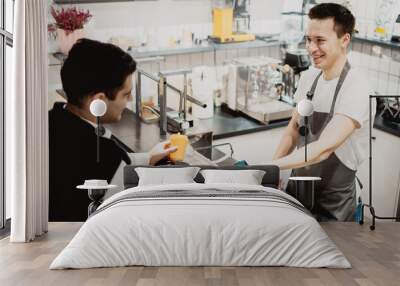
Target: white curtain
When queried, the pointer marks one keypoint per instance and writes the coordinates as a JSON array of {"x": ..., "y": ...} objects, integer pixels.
[{"x": 27, "y": 123}]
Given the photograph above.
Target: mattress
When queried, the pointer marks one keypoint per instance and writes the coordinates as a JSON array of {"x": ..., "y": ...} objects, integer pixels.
[{"x": 201, "y": 225}]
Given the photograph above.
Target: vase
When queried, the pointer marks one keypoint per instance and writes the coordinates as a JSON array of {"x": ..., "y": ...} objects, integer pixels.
[{"x": 67, "y": 40}]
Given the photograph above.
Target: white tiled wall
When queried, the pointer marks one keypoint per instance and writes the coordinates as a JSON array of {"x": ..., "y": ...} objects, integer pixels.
[
  {"x": 165, "y": 17},
  {"x": 382, "y": 69},
  {"x": 170, "y": 16},
  {"x": 159, "y": 20},
  {"x": 366, "y": 11}
]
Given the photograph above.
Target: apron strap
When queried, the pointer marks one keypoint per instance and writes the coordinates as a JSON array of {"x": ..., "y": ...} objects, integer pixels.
[
  {"x": 310, "y": 93},
  {"x": 342, "y": 77}
]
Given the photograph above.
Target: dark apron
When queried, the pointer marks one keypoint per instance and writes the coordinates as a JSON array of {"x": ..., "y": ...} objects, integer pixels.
[{"x": 335, "y": 194}]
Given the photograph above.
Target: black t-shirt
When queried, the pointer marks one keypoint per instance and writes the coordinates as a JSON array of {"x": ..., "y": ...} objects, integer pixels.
[{"x": 72, "y": 160}]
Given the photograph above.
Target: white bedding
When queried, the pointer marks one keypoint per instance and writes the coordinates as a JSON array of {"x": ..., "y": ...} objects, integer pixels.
[{"x": 186, "y": 231}]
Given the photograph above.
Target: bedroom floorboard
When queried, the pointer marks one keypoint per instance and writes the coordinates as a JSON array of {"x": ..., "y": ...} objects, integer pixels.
[{"x": 374, "y": 255}]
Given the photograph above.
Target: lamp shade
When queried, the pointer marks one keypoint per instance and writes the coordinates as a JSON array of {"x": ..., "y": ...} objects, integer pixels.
[
  {"x": 98, "y": 107},
  {"x": 305, "y": 107}
]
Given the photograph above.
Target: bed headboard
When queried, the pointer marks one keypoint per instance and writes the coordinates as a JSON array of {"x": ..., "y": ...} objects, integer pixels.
[{"x": 270, "y": 179}]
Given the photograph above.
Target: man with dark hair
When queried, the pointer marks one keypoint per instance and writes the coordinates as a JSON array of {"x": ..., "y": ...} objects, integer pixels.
[
  {"x": 338, "y": 128},
  {"x": 92, "y": 70}
]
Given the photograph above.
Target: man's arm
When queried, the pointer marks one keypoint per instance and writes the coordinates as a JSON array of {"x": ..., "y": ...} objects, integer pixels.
[
  {"x": 289, "y": 138},
  {"x": 335, "y": 133}
]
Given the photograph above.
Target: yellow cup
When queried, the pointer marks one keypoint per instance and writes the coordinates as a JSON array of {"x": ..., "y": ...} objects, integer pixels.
[{"x": 180, "y": 142}]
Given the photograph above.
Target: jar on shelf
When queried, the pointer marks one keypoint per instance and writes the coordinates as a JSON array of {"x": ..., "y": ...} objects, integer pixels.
[{"x": 384, "y": 19}]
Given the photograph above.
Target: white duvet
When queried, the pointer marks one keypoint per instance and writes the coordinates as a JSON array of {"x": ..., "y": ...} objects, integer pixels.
[{"x": 200, "y": 231}]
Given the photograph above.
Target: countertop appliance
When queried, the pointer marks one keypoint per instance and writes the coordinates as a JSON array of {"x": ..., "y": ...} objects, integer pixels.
[
  {"x": 298, "y": 59},
  {"x": 256, "y": 87},
  {"x": 231, "y": 21}
]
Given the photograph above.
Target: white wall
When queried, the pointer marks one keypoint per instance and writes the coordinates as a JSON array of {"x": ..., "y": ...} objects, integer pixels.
[
  {"x": 169, "y": 16},
  {"x": 149, "y": 14},
  {"x": 366, "y": 11},
  {"x": 169, "y": 12},
  {"x": 166, "y": 16}
]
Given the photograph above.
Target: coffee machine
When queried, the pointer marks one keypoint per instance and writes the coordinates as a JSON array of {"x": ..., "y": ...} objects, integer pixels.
[
  {"x": 298, "y": 59},
  {"x": 256, "y": 87}
]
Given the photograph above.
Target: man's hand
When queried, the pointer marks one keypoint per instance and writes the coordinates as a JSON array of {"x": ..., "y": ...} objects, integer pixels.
[{"x": 160, "y": 151}]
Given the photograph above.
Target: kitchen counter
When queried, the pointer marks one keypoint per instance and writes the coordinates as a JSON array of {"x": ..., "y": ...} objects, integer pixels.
[
  {"x": 212, "y": 47},
  {"x": 386, "y": 126},
  {"x": 378, "y": 42},
  {"x": 224, "y": 124},
  {"x": 227, "y": 124},
  {"x": 141, "y": 137},
  {"x": 138, "y": 136},
  {"x": 135, "y": 135},
  {"x": 209, "y": 47}
]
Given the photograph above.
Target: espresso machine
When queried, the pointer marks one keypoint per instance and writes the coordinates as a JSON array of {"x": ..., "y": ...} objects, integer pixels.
[
  {"x": 298, "y": 59},
  {"x": 256, "y": 87},
  {"x": 292, "y": 37}
]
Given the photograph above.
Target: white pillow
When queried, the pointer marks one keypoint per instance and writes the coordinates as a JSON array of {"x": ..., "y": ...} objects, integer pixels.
[
  {"x": 164, "y": 176},
  {"x": 248, "y": 177}
]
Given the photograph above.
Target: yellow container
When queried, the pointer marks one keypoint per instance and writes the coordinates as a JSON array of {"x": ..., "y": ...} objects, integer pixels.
[
  {"x": 222, "y": 23},
  {"x": 180, "y": 141}
]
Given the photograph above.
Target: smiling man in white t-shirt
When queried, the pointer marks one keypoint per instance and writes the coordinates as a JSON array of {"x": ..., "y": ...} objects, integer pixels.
[{"x": 338, "y": 131}]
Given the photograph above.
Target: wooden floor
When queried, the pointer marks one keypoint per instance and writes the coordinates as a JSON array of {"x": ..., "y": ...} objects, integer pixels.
[{"x": 375, "y": 257}]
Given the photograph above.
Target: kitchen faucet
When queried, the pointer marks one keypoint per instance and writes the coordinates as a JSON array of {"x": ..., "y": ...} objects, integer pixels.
[{"x": 182, "y": 122}]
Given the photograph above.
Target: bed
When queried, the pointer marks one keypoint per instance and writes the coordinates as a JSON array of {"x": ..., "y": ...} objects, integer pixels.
[{"x": 201, "y": 224}]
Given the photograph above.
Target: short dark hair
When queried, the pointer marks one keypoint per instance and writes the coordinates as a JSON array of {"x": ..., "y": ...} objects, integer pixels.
[
  {"x": 342, "y": 17},
  {"x": 92, "y": 67}
]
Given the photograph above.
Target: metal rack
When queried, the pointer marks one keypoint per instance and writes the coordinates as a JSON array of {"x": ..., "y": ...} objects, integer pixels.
[{"x": 370, "y": 205}]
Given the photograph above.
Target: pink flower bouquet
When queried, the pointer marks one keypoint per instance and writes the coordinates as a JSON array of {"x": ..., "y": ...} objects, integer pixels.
[
  {"x": 68, "y": 24},
  {"x": 70, "y": 19}
]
